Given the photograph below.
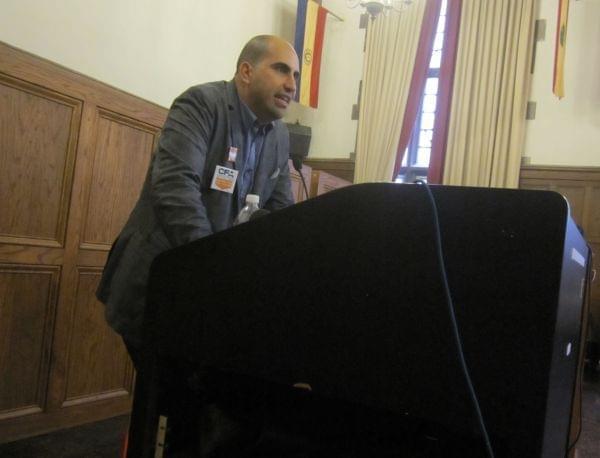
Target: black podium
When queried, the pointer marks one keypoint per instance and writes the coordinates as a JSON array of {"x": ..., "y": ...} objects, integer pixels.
[{"x": 344, "y": 293}]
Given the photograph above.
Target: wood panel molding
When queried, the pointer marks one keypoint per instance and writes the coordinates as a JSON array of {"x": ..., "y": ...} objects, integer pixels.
[
  {"x": 73, "y": 156},
  {"x": 34, "y": 424},
  {"x": 121, "y": 154},
  {"x": 342, "y": 168},
  {"x": 98, "y": 366},
  {"x": 22, "y": 254},
  {"x": 323, "y": 182},
  {"x": 550, "y": 172},
  {"x": 38, "y": 136},
  {"x": 28, "y": 295}
]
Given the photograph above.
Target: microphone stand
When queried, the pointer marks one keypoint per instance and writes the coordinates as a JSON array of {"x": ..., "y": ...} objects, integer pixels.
[{"x": 297, "y": 161}]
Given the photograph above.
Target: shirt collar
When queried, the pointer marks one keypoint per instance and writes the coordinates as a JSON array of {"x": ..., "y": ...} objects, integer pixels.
[{"x": 249, "y": 120}]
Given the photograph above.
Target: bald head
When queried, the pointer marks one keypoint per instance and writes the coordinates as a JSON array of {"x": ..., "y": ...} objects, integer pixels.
[{"x": 257, "y": 49}]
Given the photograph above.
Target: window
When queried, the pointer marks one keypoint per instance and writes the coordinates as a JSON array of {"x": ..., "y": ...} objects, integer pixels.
[{"x": 415, "y": 162}]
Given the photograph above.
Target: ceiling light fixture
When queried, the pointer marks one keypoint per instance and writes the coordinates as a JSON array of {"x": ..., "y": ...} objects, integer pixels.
[{"x": 375, "y": 7}]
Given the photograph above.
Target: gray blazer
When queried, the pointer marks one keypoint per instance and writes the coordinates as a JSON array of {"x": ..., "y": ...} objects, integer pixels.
[{"x": 177, "y": 205}]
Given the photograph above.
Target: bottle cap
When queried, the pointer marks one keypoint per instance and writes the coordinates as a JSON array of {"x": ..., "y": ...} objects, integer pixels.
[{"x": 252, "y": 199}]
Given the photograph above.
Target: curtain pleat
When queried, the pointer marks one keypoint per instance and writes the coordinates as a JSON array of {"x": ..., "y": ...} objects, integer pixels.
[
  {"x": 392, "y": 43},
  {"x": 489, "y": 101}
]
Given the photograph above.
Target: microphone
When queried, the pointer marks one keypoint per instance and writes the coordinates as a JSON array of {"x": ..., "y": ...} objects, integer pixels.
[{"x": 299, "y": 145}]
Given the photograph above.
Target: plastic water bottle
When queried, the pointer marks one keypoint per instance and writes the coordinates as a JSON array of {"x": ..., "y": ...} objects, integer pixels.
[{"x": 250, "y": 207}]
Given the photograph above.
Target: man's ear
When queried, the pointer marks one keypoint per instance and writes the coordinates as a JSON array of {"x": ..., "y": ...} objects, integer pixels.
[{"x": 245, "y": 72}]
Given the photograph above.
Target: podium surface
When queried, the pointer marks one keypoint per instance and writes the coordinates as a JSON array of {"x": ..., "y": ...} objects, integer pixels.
[{"x": 343, "y": 292}]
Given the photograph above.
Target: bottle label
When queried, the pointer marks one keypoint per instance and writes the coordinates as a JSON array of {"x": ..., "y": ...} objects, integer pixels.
[{"x": 224, "y": 179}]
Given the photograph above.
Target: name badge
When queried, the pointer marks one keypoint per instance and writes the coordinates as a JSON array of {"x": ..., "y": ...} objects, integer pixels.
[
  {"x": 232, "y": 156},
  {"x": 224, "y": 179}
]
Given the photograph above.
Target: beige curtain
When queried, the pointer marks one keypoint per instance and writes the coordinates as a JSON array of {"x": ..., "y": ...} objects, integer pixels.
[
  {"x": 392, "y": 43},
  {"x": 491, "y": 81}
]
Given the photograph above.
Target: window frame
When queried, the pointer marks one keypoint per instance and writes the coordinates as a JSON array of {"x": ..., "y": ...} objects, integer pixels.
[{"x": 408, "y": 170}]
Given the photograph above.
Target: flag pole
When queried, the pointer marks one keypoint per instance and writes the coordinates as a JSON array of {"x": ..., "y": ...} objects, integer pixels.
[{"x": 341, "y": 19}]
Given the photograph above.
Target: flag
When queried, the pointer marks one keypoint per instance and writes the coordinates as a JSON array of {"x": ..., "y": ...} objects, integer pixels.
[
  {"x": 558, "y": 83},
  {"x": 310, "y": 30}
]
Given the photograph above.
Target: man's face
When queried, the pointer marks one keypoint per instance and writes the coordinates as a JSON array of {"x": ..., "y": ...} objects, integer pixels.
[{"x": 272, "y": 82}]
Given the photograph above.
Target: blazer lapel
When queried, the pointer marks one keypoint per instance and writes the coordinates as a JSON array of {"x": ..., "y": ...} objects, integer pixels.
[
  {"x": 236, "y": 136},
  {"x": 267, "y": 163}
]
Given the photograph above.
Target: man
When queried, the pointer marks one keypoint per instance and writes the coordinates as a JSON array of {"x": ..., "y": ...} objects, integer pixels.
[{"x": 220, "y": 141}]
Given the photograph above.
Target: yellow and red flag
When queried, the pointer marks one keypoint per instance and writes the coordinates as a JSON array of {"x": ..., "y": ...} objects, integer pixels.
[
  {"x": 558, "y": 83},
  {"x": 310, "y": 31}
]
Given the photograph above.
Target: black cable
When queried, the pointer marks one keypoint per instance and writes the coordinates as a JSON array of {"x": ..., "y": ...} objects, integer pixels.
[
  {"x": 304, "y": 184},
  {"x": 450, "y": 304},
  {"x": 297, "y": 162}
]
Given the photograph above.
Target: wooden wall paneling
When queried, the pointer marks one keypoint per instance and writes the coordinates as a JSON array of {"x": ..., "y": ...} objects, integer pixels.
[
  {"x": 67, "y": 295},
  {"x": 116, "y": 158},
  {"x": 122, "y": 153},
  {"x": 12, "y": 429},
  {"x": 342, "y": 168},
  {"x": 38, "y": 137},
  {"x": 40, "y": 133},
  {"x": 22, "y": 254},
  {"x": 103, "y": 150},
  {"x": 92, "y": 143},
  {"x": 99, "y": 366},
  {"x": 593, "y": 234},
  {"x": 593, "y": 225},
  {"x": 91, "y": 361},
  {"x": 322, "y": 182},
  {"x": 27, "y": 311},
  {"x": 595, "y": 246}
]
